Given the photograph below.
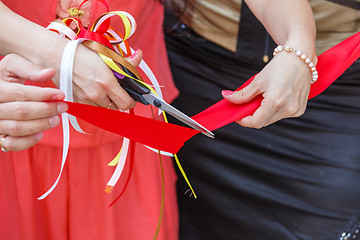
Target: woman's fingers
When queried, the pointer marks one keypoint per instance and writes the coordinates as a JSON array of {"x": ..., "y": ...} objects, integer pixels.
[
  {"x": 10, "y": 143},
  {"x": 275, "y": 108},
  {"x": 22, "y": 128},
  {"x": 26, "y": 111},
  {"x": 94, "y": 83},
  {"x": 244, "y": 95},
  {"x": 284, "y": 92},
  {"x": 31, "y": 110},
  {"x": 17, "y": 92},
  {"x": 134, "y": 60},
  {"x": 119, "y": 97},
  {"x": 17, "y": 69}
]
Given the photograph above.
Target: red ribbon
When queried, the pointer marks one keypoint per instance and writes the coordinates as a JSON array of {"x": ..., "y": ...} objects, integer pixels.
[
  {"x": 153, "y": 133},
  {"x": 331, "y": 64},
  {"x": 170, "y": 137}
]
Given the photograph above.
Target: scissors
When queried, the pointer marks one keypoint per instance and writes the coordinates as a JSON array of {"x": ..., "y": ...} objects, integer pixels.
[{"x": 140, "y": 93}]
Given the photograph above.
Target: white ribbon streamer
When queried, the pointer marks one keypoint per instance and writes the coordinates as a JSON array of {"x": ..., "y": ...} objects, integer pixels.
[
  {"x": 120, "y": 166},
  {"x": 161, "y": 152},
  {"x": 66, "y": 69}
]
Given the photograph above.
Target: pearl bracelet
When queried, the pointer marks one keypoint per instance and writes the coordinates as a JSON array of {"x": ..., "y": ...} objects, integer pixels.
[{"x": 302, "y": 56}]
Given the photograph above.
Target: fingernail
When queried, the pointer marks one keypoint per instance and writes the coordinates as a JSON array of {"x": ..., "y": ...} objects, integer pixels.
[
  {"x": 62, "y": 107},
  {"x": 227, "y": 92},
  {"x": 58, "y": 96},
  {"x": 39, "y": 136},
  {"x": 54, "y": 121},
  {"x": 134, "y": 54},
  {"x": 44, "y": 70}
]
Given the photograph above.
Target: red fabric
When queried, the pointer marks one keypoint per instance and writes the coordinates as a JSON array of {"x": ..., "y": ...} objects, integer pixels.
[{"x": 79, "y": 207}]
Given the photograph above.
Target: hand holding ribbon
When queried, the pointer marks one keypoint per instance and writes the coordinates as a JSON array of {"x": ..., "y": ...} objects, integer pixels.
[{"x": 331, "y": 64}]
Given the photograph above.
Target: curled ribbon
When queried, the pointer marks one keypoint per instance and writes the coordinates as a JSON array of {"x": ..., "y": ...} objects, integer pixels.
[{"x": 112, "y": 47}]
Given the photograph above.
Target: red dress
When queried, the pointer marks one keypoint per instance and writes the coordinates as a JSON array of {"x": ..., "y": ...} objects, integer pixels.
[{"x": 79, "y": 208}]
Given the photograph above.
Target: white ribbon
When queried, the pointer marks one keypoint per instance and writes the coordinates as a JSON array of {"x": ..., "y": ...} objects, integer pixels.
[
  {"x": 66, "y": 69},
  {"x": 161, "y": 152},
  {"x": 120, "y": 165}
]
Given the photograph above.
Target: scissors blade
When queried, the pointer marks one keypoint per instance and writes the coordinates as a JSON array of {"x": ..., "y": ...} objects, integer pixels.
[{"x": 161, "y": 104}]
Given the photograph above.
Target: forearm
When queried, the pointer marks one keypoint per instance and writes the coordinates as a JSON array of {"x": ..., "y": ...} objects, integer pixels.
[
  {"x": 288, "y": 22},
  {"x": 29, "y": 40}
]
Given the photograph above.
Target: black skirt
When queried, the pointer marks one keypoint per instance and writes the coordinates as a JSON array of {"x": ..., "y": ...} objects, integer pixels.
[{"x": 296, "y": 179}]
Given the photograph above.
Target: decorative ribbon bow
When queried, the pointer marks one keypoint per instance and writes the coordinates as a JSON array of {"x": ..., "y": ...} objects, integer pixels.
[{"x": 112, "y": 47}]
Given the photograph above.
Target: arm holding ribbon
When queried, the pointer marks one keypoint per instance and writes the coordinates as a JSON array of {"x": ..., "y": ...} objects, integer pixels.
[
  {"x": 23, "y": 112},
  {"x": 284, "y": 83},
  {"x": 93, "y": 82},
  {"x": 283, "y": 181}
]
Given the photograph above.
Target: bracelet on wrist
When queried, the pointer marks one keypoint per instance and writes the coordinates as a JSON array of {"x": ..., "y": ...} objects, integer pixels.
[{"x": 302, "y": 56}]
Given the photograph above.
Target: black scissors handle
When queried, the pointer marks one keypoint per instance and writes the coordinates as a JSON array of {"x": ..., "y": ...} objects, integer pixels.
[{"x": 135, "y": 89}]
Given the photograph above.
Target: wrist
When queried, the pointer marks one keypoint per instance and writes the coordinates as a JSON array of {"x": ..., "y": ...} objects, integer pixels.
[
  {"x": 51, "y": 55},
  {"x": 307, "y": 47},
  {"x": 302, "y": 56}
]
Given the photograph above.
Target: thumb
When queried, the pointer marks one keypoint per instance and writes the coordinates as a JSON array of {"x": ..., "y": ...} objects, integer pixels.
[
  {"x": 243, "y": 95},
  {"x": 19, "y": 69},
  {"x": 42, "y": 75},
  {"x": 135, "y": 58},
  {"x": 236, "y": 97}
]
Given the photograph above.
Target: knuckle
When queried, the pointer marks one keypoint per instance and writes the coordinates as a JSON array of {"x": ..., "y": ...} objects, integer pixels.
[
  {"x": 278, "y": 102},
  {"x": 20, "y": 95},
  {"x": 9, "y": 145},
  {"x": 104, "y": 84},
  {"x": 292, "y": 110},
  {"x": 8, "y": 58},
  {"x": 20, "y": 111},
  {"x": 127, "y": 105},
  {"x": 300, "y": 112},
  {"x": 239, "y": 94},
  {"x": 257, "y": 126},
  {"x": 14, "y": 128},
  {"x": 93, "y": 96},
  {"x": 50, "y": 108}
]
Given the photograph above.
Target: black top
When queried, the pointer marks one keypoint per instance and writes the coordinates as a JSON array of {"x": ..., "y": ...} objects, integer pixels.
[{"x": 296, "y": 179}]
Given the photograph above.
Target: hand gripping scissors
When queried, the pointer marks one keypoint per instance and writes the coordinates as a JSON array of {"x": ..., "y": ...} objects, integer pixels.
[{"x": 140, "y": 93}]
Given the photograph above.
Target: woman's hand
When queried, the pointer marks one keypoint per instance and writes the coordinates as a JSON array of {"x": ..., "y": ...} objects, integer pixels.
[
  {"x": 284, "y": 84},
  {"x": 23, "y": 114},
  {"x": 285, "y": 81},
  {"x": 94, "y": 82}
]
